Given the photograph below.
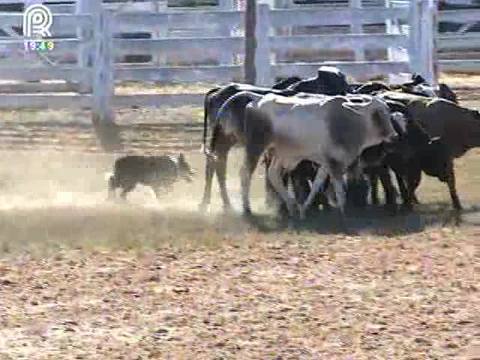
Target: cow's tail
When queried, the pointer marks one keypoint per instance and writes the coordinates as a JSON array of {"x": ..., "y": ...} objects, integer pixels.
[
  {"x": 205, "y": 118},
  {"x": 244, "y": 97}
]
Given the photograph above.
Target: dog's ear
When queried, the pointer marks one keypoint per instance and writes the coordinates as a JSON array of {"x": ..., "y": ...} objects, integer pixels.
[{"x": 181, "y": 158}]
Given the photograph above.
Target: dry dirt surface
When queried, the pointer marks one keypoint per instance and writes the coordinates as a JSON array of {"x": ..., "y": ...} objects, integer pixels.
[
  {"x": 283, "y": 296},
  {"x": 84, "y": 279}
]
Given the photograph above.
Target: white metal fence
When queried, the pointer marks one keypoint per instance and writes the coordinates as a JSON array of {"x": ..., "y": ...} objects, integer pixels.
[{"x": 207, "y": 45}]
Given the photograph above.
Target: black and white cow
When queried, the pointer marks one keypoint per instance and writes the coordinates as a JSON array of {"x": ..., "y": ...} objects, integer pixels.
[
  {"x": 329, "y": 131},
  {"x": 327, "y": 79}
]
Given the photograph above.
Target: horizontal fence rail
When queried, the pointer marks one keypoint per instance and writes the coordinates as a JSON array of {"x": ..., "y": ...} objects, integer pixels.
[{"x": 207, "y": 45}]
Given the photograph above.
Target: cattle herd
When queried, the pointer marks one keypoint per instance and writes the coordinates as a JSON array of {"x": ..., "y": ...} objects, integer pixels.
[{"x": 331, "y": 141}]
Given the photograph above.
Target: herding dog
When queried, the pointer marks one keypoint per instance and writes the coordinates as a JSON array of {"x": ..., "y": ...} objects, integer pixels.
[{"x": 155, "y": 171}]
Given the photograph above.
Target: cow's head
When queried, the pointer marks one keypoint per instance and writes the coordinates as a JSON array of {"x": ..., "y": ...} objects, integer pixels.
[
  {"x": 446, "y": 93},
  {"x": 381, "y": 122},
  {"x": 471, "y": 128},
  {"x": 184, "y": 169},
  {"x": 436, "y": 160}
]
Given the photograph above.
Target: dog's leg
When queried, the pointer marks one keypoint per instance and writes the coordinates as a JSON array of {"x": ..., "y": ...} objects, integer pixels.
[
  {"x": 125, "y": 190},
  {"x": 157, "y": 192},
  {"x": 111, "y": 188}
]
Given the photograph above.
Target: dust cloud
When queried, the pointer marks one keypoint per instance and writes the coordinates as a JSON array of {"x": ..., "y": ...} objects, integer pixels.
[{"x": 57, "y": 199}]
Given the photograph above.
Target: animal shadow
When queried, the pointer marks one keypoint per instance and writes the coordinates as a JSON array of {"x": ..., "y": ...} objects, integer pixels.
[{"x": 371, "y": 220}]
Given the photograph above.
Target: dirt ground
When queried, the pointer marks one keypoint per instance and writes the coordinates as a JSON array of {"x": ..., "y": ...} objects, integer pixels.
[{"x": 84, "y": 279}]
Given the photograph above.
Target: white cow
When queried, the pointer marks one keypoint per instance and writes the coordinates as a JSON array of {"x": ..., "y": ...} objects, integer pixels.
[{"x": 331, "y": 131}]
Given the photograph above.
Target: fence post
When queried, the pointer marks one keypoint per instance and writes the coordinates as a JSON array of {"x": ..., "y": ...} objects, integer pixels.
[
  {"x": 226, "y": 57},
  {"x": 394, "y": 53},
  {"x": 103, "y": 83},
  {"x": 225, "y": 4},
  {"x": 428, "y": 34},
  {"x": 159, "y": 32},
  {"x": 433, "y": 41},
  {"x": 423, "y": 28},
  {"x": 414, "y": 35},
  {"x": 250, "y": 42},
  {"x": 262, "y": 51},
  {"x": 357, "y": 28},
  {"x": 85, "y": 49}
]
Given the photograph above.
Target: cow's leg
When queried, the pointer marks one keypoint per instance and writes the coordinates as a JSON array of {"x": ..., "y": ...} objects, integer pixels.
[
  {"x": 340, "y": 194},
  {"x": 414, "y": 176},
  {"x": 319, "y": 180},
  {"x": 302, "y": 178},
  {"x": 246, "y": 171},
  {"x": 390, "y": 193},
  {"x": 257, "y": 132},
  {"x": 416, "y": 182},
  {"x": 218, "y": 144},
  {"x": 277, "y": 180},
  {"x": 301, "y": 186},
  {"x": 452, "y": 188},
  {"x": 403, "y": 188},
  {"x": 221, "y": 171},
  {"x": 271, "y": 198},
  {"x": 373, "y": 177},
  {"x": 207, "y": 192}
]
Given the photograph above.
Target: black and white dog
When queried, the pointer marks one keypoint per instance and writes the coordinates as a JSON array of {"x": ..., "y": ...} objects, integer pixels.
[{"x": 158, "y": 172}]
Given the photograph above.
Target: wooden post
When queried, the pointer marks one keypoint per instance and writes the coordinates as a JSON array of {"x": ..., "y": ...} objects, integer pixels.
[
  {"x": 357, "y": 28},
  {"x": 160, "y": 31},
  {"x": 85, "y": 49},
  {"x": 435, "y": 68},
  {"x": 415, "y": 37},
  {"x": 394, "y": 53},
  {"x": 103, "y": 83},
  {"x": 262, "y": 50},
  {"x": 226, "y": 57},
  {"x": 225, "y": 4},
  {"x": 428, "y": 25},
  {"x": 250, "y": 42}
]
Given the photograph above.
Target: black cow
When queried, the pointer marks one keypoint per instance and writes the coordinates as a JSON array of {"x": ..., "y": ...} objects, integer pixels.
[
  {"x": 417, "y": 86},
  {"x": 285, "y": 83},
  {"x": 329, "y": 81}
]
